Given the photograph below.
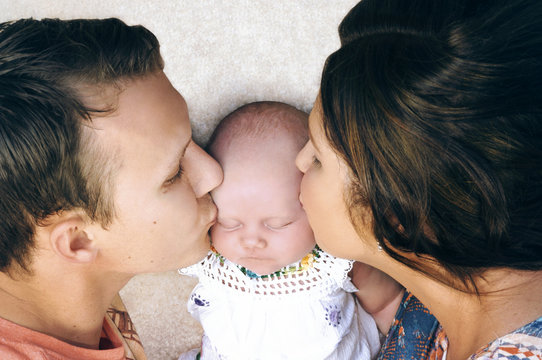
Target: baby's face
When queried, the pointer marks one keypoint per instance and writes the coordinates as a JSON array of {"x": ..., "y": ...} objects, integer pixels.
[{"x": 261, "y": 224}]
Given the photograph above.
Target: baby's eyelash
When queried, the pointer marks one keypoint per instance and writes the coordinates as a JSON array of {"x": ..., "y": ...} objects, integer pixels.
[
  {"x": 281, "y": 226},
  {"x": 229, "y": 228}
]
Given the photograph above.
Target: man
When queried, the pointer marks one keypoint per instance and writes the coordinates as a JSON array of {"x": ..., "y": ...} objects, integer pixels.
[{"x": 99, "y": 180}]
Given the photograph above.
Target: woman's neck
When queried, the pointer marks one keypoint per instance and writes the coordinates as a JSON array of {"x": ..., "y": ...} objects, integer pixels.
[{"x": 509, "y": 300}]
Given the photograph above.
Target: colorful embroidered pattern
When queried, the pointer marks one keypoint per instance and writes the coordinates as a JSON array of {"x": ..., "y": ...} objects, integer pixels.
[
  {"x": 333, "y": 315},
  {"x": 198, "y": 300},
  {"x": 415, "y": 334},
  {"x": 306, "y": 263},
  {"x": 523, "y": 344}
]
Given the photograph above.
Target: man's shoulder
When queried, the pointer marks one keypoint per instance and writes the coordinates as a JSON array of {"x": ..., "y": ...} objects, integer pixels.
[
  {"x": 20, "y": 343},
  {"x": 12, "y": 341}
]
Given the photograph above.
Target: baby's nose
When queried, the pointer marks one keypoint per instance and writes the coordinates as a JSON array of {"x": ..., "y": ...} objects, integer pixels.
[{"x": 252, "y": 241}]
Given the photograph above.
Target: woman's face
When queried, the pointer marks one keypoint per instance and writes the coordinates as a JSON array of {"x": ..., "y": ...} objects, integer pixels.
[{"x": 325, "y": 180}]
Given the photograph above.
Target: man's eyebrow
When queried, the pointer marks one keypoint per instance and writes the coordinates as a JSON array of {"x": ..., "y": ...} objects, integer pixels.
[{"x": 180, "y": 155}]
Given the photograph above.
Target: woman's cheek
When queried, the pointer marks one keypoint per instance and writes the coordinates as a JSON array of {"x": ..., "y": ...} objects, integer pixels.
[{"x": 310, "y": 201}]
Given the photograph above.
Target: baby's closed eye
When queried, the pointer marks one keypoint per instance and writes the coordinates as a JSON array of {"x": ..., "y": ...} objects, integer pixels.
[
  {"x": 277, "y": 224},
  {"x": 229, "y": 224}
]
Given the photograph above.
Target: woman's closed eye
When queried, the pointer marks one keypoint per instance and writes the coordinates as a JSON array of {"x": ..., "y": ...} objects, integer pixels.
[{"x": 316, "y": 162}]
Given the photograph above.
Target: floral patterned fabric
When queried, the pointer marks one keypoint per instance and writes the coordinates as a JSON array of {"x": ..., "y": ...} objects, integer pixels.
[
  {"x": 523, "y": 344},
  {"x": 415, "y": 334}
]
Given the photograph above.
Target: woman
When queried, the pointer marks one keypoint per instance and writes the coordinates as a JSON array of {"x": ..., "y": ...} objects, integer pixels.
[{"x": 425, "y": 160}]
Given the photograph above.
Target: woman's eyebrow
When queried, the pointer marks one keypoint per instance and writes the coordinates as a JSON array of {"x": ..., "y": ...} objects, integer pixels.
[{"x": 311, "y": 138}]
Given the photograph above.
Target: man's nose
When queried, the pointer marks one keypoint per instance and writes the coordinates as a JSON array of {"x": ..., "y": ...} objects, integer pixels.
[{"x": 205, "y": 173}]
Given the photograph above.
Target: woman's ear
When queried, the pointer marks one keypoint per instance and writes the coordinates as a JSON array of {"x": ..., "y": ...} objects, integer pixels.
[{"x": 70, "y": 241}]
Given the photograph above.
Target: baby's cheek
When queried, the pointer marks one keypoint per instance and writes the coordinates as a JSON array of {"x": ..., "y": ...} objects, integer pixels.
[
  {"x": 215, "y": 235},
  {"x": 221, "y": 240},
  {"x": 301, "y": 240},
  {"x": 305, "y": 233}
]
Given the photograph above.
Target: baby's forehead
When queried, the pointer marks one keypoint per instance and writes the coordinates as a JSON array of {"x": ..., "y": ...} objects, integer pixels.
[
  {"x": 254, "y": 185},
  {"x": 256, "y": 157}
]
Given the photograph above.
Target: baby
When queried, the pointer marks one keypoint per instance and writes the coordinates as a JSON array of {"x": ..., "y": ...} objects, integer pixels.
[{"x": 265, "y": 290}]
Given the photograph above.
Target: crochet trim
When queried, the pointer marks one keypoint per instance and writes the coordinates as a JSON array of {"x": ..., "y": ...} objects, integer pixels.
[
  {"x": 317, "y": 272},
  {"x": 304, "y": 264}
]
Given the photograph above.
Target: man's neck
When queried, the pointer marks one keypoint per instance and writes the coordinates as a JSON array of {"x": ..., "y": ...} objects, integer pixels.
[{"x": 71, "y": 309}]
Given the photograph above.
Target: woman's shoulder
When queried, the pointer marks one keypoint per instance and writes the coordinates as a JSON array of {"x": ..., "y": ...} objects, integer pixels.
[
  {"x": 414, "y": 334},
  {"x": 524, "y": 343}
]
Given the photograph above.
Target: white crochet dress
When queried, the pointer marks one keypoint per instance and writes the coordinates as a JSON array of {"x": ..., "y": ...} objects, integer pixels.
[{"x": 304, "y": 311}]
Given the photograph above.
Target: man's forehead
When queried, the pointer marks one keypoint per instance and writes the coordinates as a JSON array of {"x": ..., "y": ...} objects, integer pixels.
[
  {"x": 101, "y": 99},
  {"x": 149, "y": 116},
  {"x": 147, "y": 103}
]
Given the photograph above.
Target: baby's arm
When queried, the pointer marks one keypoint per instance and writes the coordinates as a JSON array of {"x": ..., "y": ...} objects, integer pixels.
[{"x": 378, "y": 294}]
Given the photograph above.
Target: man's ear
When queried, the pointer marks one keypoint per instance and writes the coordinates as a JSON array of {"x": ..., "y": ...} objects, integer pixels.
[{"x": 69, "y": 239}]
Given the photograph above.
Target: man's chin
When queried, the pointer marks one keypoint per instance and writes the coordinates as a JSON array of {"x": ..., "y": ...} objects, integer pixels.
[{"x": 205, "y": 247}]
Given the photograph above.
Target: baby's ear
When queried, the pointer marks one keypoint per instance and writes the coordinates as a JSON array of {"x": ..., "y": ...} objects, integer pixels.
[{"x": 69, "y": 239}]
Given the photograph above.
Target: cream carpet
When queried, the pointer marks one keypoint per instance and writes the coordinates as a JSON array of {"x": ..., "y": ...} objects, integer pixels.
[{"x": 219, "y": 55}]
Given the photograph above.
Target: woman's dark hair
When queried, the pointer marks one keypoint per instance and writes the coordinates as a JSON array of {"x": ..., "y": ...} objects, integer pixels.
[
  {"x": 436, "y": 107},
  {"x": 47, "y": 164}
]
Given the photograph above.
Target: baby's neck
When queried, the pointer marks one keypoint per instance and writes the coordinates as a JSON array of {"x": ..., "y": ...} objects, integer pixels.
[{"x": 287, "y": 271}]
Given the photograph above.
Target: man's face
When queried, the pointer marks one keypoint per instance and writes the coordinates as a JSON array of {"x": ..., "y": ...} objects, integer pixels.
[{"x": 163, "y": 209}]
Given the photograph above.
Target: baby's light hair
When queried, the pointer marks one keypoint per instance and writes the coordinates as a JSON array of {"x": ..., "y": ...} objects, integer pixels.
[{"x": 261, "y": 120}]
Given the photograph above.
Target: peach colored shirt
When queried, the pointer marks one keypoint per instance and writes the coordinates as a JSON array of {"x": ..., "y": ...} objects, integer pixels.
[{"x": 20, "y": 343}]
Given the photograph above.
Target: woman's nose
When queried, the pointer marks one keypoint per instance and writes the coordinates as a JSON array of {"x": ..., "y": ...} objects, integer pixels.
[{"x": 302, "y": 159}]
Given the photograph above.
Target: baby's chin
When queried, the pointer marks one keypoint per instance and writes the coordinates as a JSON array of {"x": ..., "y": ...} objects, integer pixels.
[{"x": 260, "y": 267}]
